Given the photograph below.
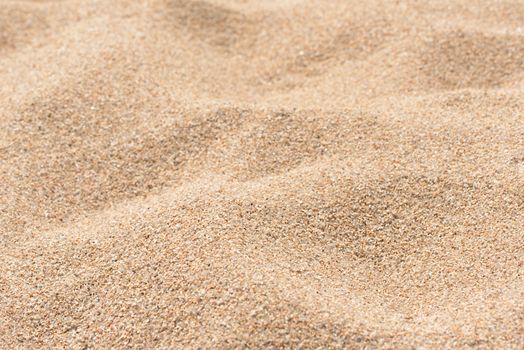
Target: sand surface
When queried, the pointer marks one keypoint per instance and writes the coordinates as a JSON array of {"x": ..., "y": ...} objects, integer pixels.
[{"x": 261, "y": 174}]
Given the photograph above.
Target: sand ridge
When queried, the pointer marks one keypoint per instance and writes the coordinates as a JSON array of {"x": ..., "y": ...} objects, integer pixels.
[{"x": 261, "y": 174}]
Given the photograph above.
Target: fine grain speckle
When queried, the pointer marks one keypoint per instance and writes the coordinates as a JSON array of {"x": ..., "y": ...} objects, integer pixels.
[{"x": 261, "y": 174}]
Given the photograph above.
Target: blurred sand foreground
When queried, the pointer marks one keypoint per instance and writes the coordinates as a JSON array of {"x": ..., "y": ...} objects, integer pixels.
[{"x": 262, "y": 174}]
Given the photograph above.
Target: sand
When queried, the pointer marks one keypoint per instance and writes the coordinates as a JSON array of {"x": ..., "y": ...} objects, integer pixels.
[{"x": 261, "y": 174}]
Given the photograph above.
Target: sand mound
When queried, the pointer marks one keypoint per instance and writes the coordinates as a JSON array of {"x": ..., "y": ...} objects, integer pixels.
[{"x": 226, "y": 173}]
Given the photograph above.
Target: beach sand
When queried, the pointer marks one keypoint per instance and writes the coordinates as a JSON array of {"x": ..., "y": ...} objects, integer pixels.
[{"x": 262, "y": 174}]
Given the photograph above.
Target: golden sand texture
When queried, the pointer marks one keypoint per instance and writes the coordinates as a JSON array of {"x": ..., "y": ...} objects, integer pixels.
[{"x": 262, "y": 174}]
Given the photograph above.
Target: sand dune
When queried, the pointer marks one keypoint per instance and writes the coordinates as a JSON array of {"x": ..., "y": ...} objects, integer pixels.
[{"x": 261, "y": 174}]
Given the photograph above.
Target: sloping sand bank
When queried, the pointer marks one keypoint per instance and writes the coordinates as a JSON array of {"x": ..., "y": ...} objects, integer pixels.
[{"x": 262, "y": 174}]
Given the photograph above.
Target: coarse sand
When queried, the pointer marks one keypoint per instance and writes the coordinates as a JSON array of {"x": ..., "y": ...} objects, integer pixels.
[{"x": 261, "y": 174}]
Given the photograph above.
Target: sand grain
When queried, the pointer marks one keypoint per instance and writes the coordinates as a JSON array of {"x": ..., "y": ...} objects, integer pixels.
[{"x": 261, "y": 174}]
